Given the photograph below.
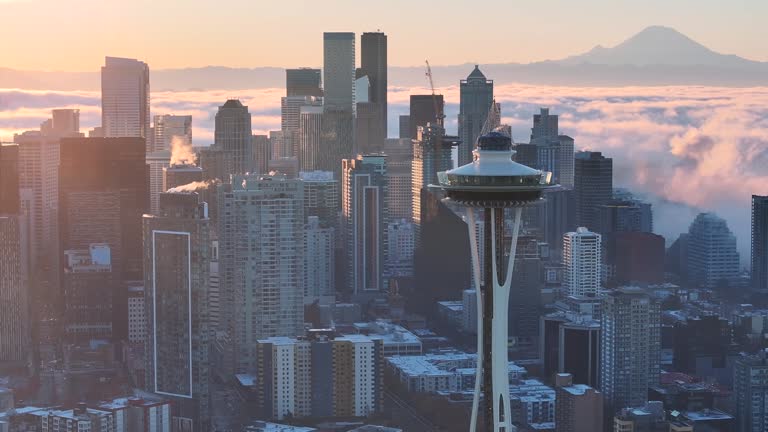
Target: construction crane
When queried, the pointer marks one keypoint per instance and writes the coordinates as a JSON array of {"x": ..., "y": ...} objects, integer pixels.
[{"x": 439, "y": 116}]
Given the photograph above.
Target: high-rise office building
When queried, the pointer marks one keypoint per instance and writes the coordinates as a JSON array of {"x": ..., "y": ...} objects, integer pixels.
[
  {"x": 15, "y": 343},
  {"x": 303, "y": 82},
  {"x": 290, "y": 122},
  {"x": 373, "y": 63},
  {"x": 65, "y": 122},
  {"x": 579, "y": 407},
  {"x": 103, "y": 192},
  {"x": 137, "y": 314},
  {"x": 158, "y": 162},
  {"x": 336, "y": 139},
  {"x": 750, "y": 388},
  {"x": 544, "y": 125},
  {"x": 476, "y": 97},
  {"x": 760, "y": 243},
  {"x": 10, "y": 202},
  {"x": 320, "y": 266},
  {"x": 401, "y": 241},
  {"x": 365, "y": 216},
  {"x": 422, "y": 111},
  {"x": 431, "y": 154},
  {"x": 339, "y": 70},
  {"x": 630, "y": 348},
  {"x": 525, "y": 304},
  {"x": 39, "y": 185},
  {"x": 404, "y": 126},
  {"x": 88, "y": 306},
  {"x": 713, "y": 259},
  {"x": 321, "y": 197},
  {"x": 216, "y": 163},
  {"x": 369, "y": 133},
  {"x": 570, "y": 343},
  {"x": 262, "y": 154},
  {"x": 310, "y": 130},
  {"x": 582, "y": 260},
  {"x": 261, "y": 261},
  {"x": 168, "y": 128},
  {"x": 593, "y": 186},
  {"x": 624, "y": 216},
  {"x": 125, "y": 98},
  {"x": 181, "y": 175},
  {"x": 176, "y": 275},
  {"x": 399, "y": 153},
  {"x": 233, "y": 134}
]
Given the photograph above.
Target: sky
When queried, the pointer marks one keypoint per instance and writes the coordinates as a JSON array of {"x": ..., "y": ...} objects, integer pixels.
[{"x": 75, "y": 35}]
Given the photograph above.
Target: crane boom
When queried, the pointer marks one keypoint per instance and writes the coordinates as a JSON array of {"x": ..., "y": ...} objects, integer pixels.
[{"x": 438, "y": 113}]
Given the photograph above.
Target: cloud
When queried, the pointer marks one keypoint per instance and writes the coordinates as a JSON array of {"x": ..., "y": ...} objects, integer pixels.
[{"x": 686, "y": 148}]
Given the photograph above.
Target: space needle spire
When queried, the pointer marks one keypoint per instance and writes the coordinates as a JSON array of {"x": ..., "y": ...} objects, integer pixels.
[{"x": 493, "y": 183}]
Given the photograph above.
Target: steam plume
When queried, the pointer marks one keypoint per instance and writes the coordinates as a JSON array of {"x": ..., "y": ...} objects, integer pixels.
[
  {"x": 181, "y": 152},
  {"x": 194, "y": 186}
]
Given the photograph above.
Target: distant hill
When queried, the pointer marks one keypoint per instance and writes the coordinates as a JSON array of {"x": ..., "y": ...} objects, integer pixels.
[{"x": 655, "y": 56}]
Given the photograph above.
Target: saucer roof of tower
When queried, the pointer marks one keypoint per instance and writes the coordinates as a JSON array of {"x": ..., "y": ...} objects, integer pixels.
[{"x": 493, "y": 179}]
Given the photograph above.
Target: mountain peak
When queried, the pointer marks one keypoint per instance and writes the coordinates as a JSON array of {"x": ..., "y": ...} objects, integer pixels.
[{"x": 657, "y": 45}]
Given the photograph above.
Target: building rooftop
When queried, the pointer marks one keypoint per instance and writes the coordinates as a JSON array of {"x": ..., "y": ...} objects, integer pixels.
[
  {"x": 577, "y": 389},
  {"x": 261, "y": 426},
  {"x": 389, "y": 333},
  {"x": 707, "y": 414}
]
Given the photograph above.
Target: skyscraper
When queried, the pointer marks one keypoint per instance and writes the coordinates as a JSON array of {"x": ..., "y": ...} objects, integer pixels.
[
  {"x": 218, "y": 163},
  {"x": 630, "y": 348},
  {"x": 319, "y": 268},
  {"x": 180, "y": 175},
  {"x": 103, "y": 192},
  {"x": 262, "y": 154},
  {"x": 423, "y": 111},
  {"x": 39, "y": 191},
  {"x": 476, "y": 96},
  {"x": 544, "y": 125},
  {"x": 65, "y": 122},
  {"x": 88, "y": 306},
  {"x": 373, "y": 62},
  {"x": 364, "y": 219},
  {"x": 336, "y": 139},
  {"x": 158, "y": 161},
  {"x": 404, "y": 125},
  {"x": 713, "y": 259},
  {"x": 290, "y": 122},
  {"x": 401, "y": 243},
  {"x": 125, "y": 98},
  {"x": 310, "y": 130},
  {"x": 624, "y": 216},
  {"x": 303, "y": 82},
  {"x": 168, "y": 128},
  {"x": 14, "y": 292},
  {"x": 581, "y": 257},
  {"x": 750, "y": 388},
  {"x": 339, "y": 70},
  {"x": 760, "y": 243},
  {"x": 399, "y": 153},
  {"x": 321, "y": 196},
  {"x": 176, "y": 276},
  {"x": 593, "y": 185},
  {"x": 261, "y": 261},
  {"x": 233, "y": 133},
  {"x": 431, "y": 154}
]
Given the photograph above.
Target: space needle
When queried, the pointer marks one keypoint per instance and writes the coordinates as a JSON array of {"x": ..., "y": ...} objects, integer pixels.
[{"x": 493, "y": 183}]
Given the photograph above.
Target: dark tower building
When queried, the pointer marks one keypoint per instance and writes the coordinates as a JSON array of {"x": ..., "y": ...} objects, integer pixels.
[
  {"x": 423, "y": 112},
  {"x": 232, "y": 133},
  {"x": 103, "y": 192},
  {"x": 180, "y": 175},
  {"x": 476, "y": 97},
  {"x": 593, "y": 184},
  {"x": 177, "y": 259},
  {"x": 373, "y": 62},
  {"x": 404, "y": 124},
  {"x": 760, "y": 243},
  {"x": 303, "y": 82},
  {"x": 570, "y": 343},
  {"x": 9, "y": 179}
]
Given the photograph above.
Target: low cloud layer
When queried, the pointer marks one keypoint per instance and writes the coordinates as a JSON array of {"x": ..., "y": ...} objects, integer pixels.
[{"x": 685, "y": 148}]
